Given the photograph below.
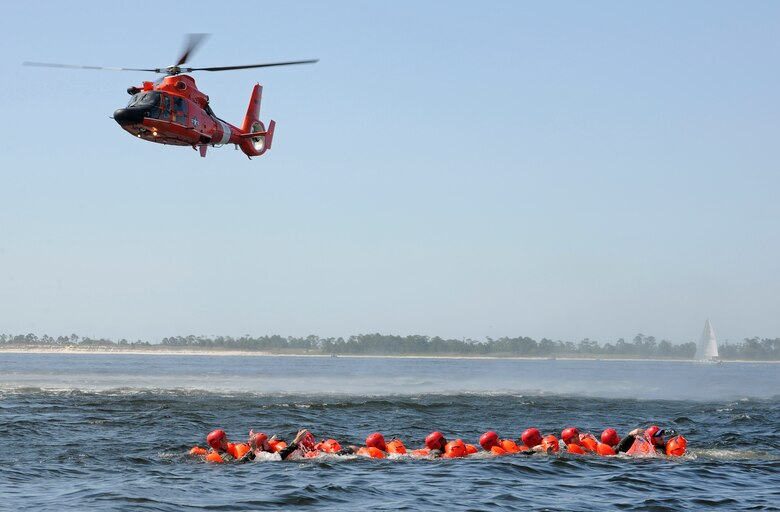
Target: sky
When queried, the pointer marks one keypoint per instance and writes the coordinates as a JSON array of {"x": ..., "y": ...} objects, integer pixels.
[{"x": 560, "y": 169}]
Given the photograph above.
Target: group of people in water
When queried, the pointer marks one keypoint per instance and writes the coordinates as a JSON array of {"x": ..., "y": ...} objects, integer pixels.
[{"x": 640, "y": 442}]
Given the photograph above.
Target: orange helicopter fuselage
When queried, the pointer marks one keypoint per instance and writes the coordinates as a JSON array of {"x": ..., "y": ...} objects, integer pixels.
[{"x": 175, "y": 112}]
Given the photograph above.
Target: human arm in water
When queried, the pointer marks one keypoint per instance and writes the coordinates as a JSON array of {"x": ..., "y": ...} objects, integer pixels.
[
  {"x": 626, "y": 442},
  {"x": 288, "y": 450}
]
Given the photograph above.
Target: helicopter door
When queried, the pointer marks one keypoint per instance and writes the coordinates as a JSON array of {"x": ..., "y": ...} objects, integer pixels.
[
  {"x": 165, "y": 108},
  {"x": 180, "y": 110}
]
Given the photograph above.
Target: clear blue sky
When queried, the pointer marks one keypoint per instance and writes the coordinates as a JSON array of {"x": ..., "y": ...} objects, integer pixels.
[{"x": 546, "y": 169}]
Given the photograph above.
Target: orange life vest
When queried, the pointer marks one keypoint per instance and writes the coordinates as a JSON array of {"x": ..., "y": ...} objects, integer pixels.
[
  {"x": 509, "y": 446},
  {"x": 675, "y": 447},
  {"x": 277, "y": 445},
  {"x": 214, "y": 457},
  {"x": 422, "y": 452},
  {"x": 575, "y": 448},
  {"x": 372, "y": 451},
  {"x": 197, "y": 450},
  {"x": 605, "y": 449},
  {"x": 497, "y": 450},
  {"x": 642, "y": 447},
  {"x": 396, "y": 446},
  {"x": 237, "y": 450},
  {"x": 588, "y": 442}
]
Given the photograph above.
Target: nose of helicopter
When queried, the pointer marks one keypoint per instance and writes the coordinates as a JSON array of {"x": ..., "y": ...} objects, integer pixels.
[{"x": 125, "y": 116}]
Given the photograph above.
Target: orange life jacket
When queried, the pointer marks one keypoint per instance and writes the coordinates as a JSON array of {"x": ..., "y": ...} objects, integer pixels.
[
  {"x": 588, "y": 442},
  {"x": 575, "y": 448},
  {"x": 675, "y": 447},
  {"x": 396, "y": 446},
  {"x": 642, "y": 447},
  {"x": 509, "y": 446},
  {"x": 237, "y": 450},
  {"x": 605, "y": 449},
  {"x": 214, "y": 457},
  {"x": 372, "y": 451},
  {"x": 470, "y": 448},
  {"x": 422, "y": 452},
  {"x": 197, "y": 450},
  {"x": 277, "y": 445}
]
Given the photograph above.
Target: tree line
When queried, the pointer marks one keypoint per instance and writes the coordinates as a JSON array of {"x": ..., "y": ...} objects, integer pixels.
[{"x": 641, "y": 346}]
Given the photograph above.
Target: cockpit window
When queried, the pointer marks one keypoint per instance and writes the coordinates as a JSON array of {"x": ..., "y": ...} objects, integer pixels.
[
  {"x": 158, "y": 104},
  {"x": 145, "y": 99}
]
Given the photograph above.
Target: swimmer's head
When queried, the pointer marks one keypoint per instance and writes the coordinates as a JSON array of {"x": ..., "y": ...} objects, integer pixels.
[
  {"x": 488, "y": 440},
  {"x": 435, "y": 441},
  {"x": 656, "y": 435},
  {"x": 376, "y": 440},
  {"x": 571, "y": 435},
  {"x": 550, "y": 443},
  {"x": 217, "y": 440},
  {"x": 610, "y": 437},
  {"x": 531, "y": 437}
]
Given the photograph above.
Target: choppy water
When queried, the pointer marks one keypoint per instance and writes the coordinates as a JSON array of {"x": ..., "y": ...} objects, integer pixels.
[{"x": 111, "y": 432}]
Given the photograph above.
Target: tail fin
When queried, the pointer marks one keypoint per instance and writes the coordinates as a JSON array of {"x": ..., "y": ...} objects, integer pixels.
[
  {"x": 256, "y": 140},
  {"x": 253, "y": 110}
]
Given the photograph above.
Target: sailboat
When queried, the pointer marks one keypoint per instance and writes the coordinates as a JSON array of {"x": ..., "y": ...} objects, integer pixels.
[{"x": 707, "y": 350}]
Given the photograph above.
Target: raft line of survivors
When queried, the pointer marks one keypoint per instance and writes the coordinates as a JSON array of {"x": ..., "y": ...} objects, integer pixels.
[{"x": 649, "y": 442}]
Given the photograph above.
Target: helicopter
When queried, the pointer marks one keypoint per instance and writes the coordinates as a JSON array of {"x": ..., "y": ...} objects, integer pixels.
[{"x": 172, "y": 110}]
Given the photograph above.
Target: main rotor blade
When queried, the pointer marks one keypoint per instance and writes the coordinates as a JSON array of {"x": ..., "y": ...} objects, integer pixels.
[
  {"x": 72, "y": 66},
  {"x": 193, "y": 41},
  {"x": 228, "y": 68}
]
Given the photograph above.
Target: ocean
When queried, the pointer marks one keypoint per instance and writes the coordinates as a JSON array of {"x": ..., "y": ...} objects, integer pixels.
[{"x": 113, "y": 431}]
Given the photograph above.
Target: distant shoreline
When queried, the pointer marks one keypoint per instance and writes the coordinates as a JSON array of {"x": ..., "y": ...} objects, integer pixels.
[{"x": 172, "y": 351}]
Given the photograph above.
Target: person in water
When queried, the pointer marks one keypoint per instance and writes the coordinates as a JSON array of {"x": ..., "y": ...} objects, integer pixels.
[
  {"x": 259, "y": 443},
  {"x": 490, "y": 442},
  {"x": 645, "y": 441},
  {"x": 222, "y": 450}
]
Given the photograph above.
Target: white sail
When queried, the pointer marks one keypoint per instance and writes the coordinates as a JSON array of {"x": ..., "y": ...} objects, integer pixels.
[{"x": 708, "y": 344}]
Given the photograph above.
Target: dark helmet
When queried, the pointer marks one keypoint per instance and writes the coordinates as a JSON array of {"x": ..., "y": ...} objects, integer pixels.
[
  {"x": 435, "y": 441},
  {"x": 531, "y": 437},
  {"x": 376, "y": 440},
  {"x": 488, "y": 440},
  {"x": 215, "y": 438},
  {"x": 610, "y": 437},
  {"x": 570, "y": 435}
]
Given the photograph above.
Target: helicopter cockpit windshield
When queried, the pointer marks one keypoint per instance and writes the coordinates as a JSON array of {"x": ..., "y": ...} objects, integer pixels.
[{"x": 157, "y": 103}]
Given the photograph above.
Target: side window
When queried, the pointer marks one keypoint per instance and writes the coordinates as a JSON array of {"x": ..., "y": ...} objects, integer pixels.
[
  {"x": 152, "y": 101},
  {"x": 165, "y": 111},
  {"x": 179, "y": 110}
]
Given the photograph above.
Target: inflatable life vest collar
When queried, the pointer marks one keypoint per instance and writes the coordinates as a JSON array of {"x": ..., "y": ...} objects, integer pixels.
[{"x": 575, "y": 448}]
